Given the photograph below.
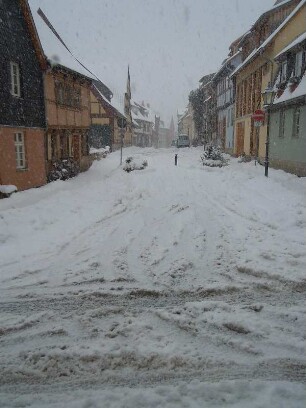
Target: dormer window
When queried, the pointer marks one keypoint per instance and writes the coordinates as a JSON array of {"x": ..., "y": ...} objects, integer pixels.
[
  {"x": 299, "y": 60},
  {"x": 283, "y": 76}
]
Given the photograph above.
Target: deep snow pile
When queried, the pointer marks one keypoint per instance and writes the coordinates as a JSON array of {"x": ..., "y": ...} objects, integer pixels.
[
  {"x": 166, "y": 280},
  {"x": 131, "y": 164},
  {"x": 213, "y": 157}
]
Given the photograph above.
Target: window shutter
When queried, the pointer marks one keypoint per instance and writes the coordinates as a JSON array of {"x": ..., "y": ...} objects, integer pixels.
[
  {"x": 49, "y": 147},
  {"x": 70, "y": 145},
  {"x": 21, "y": 84}
]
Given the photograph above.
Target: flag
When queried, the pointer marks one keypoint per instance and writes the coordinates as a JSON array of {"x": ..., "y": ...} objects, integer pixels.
[
  {"x": 47, "y": 22},
  {"x": 128, "y": 87},
  {"x": 127, "y": 101}
]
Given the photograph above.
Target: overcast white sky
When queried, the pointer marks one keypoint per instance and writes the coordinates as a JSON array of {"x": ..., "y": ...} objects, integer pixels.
[{"x": 169, "y": 44}]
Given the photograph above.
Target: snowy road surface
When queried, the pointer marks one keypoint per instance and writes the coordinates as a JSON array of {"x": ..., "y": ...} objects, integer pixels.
[{"x": 168, "y": 287}]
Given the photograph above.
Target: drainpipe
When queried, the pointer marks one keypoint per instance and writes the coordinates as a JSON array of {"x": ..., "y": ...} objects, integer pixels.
[{"x": 268, "y": 108}]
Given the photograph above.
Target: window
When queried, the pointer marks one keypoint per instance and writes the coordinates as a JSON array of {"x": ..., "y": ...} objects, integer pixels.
[
  {"x": 84, "y": 144},
  {"x": 20, "y": 151},
  {"x": 53, "y": 147},
  {"x": 299, "y": 59},
  {"x": 265, "y": 68},
  {"x": 229, "y": 114},
  {"x": 64, "y": 146},
  {"x": 284, "y": 71},
  {"x": 59, "y": 92},
  {"x": 296, "y": 123},
  {"x": 67, "y": 95},
  {"x": 282, "y": 118},
  {"x": 77, "y": 98},
  {"x": 15, "y": 79}
]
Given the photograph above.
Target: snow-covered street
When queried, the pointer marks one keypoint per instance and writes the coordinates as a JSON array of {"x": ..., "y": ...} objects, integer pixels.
[{"x": 167, "y": 287}]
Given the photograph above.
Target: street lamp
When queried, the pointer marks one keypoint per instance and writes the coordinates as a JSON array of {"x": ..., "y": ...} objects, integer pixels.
[
  {"x": 268, "y": 97},
  {"x": 121, "y": 125}
]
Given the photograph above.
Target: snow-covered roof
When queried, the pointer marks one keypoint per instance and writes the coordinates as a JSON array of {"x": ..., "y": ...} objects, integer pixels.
[
  {"x": 142, "y": 113},
  {"x": 294, "y": 43},
  {"x": 206, "y": 78},
  {"x": 118, "y": 104},
  {"x": 278, "y": 3},
  {"x": 261, "y": 48},
  {"x": 54, "y": 50},
  {"x": 287, "y": 95},
  {"x": 112, "y": 104},
  {"x": 244, "y": 36},
  {"x": 273, "y": 8},
  {"x": 225, "y": 63},
  {"x": 103, "y": 89},
  {"x": 183, "y": 116}
]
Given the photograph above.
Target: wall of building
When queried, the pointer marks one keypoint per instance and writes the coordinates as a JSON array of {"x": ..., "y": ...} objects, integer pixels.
[
  {"x": 34, "y": 175},
  {"x": 16, "y": 46},
  {"x": 61, "y": 115},
  {"x": 229, "y": 138},
  {"x": 268, "y": 68},
  {"x": 288, "y": 152}
]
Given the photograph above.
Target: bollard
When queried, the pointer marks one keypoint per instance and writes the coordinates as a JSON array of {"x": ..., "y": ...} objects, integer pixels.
[{"x": 175, "y": 159}]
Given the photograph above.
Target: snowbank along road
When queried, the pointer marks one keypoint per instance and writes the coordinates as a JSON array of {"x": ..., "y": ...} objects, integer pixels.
[{"x": 171, "y": 286}]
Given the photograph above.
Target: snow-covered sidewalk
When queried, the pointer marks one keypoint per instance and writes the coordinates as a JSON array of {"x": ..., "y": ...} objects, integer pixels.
[{"x": 185, "y": 283}]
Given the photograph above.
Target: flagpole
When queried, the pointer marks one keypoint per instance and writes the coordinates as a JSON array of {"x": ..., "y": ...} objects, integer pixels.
[
  {"x": 127, "y": 106},
  {"x": 121, "y": 147}
]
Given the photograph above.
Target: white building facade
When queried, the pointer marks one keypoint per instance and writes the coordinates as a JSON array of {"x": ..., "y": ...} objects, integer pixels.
[{"x": 225, "y": 94}]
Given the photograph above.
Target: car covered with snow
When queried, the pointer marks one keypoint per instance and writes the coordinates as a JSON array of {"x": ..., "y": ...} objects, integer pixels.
[{"x": 183, "y": 141}]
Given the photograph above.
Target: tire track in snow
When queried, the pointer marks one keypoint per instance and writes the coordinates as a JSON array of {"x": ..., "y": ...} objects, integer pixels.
[
  {"x": 274, "y": 370},
  {"x": 147, "y": 298}
]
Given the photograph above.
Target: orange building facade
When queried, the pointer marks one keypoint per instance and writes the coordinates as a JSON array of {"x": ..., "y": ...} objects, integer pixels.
[{"x": 22, "y": 157}]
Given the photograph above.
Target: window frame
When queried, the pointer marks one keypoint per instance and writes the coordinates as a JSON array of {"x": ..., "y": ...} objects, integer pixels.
[
  {"x": 282, "y": 122},
  {"x": 283, "y": 76},
  {"x": 15, "y": 79},
  {"x": 296, "y": 125},
  {"x": 301, "y": 61},
  {"x": 20, "y": 153}
]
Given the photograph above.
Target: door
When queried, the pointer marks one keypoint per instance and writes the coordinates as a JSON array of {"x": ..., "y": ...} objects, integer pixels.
[
  {"x": 239, "y": 138},
  {"x": 76, "y": 148},
  {"x": 100, "y": 136},
  {"x": 223, "y": 137}
]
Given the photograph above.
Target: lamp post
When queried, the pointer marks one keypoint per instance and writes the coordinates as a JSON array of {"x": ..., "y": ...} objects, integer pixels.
[
  {"x": 121, "y": 126},
  {"x": 268, "y": 98}
]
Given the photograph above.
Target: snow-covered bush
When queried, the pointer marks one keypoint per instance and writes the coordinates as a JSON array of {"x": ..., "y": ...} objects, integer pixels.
[
  {"x": 63, "y": 170},
  {"x": 99, "y": 154},
  {"x": 131, "y": 164},
  {"x": 243, "y": 158},
  {"x": 213, "y": 157}
]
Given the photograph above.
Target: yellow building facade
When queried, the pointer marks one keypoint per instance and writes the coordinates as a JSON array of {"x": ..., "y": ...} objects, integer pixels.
[
  {"x": 252, "y": 78},
  {"x": 107, "y": 121}
]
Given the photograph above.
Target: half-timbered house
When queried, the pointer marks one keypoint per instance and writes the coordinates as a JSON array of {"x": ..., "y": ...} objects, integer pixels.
[
  {"x": 67, "y": 103},
  {"x": 259, "y": 47},
  {"x": 108, "y": 121},
  {"x": 287, "y": 144}
]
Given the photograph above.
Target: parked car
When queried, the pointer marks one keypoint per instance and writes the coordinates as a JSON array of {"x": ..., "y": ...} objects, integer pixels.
[{"x": 183, "y": 141}]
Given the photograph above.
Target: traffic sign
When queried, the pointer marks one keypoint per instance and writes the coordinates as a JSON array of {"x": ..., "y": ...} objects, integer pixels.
[{"x": 258, "y": 115}]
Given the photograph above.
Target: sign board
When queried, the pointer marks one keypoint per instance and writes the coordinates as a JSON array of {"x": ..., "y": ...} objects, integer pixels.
[{"x": 258, "y": 115}]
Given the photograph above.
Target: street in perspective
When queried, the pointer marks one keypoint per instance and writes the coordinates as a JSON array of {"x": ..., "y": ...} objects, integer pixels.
[{"x": 152, "y": 242}]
